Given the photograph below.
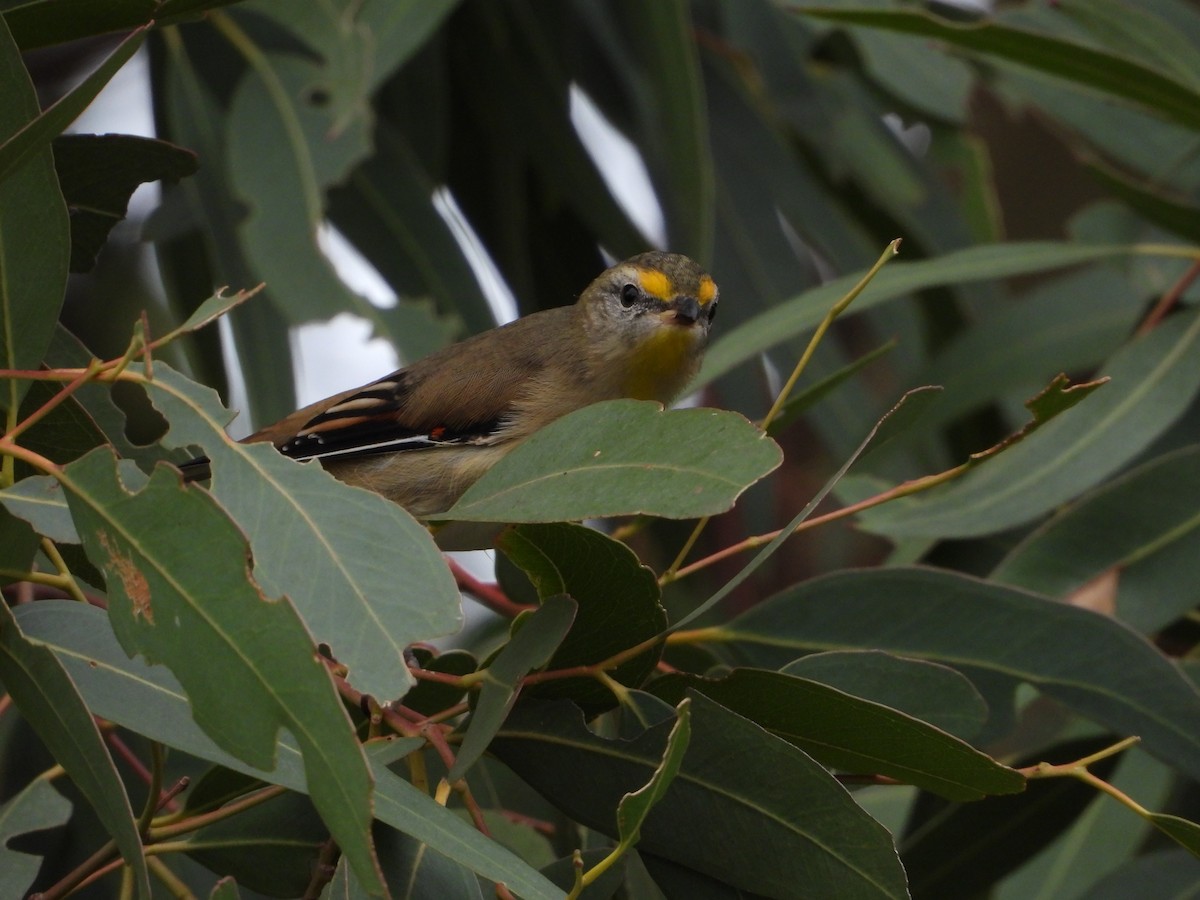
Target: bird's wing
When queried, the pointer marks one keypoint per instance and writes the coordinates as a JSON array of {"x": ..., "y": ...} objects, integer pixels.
[{"x": 462, "y": 394}]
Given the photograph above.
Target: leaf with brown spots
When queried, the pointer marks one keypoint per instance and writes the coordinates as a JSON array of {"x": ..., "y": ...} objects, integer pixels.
[{"x": 247, "y": 663}]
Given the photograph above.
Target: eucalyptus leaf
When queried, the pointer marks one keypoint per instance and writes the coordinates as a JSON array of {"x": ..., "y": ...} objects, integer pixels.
[
  {"x": 214, "y": 621},
  {"x": 623, "y": 457},
  {"x": 973, "y": 624},
  {"x": 334, "y": 550}
]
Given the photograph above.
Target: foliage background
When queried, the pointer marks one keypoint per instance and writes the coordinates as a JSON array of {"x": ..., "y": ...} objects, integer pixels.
[{"x": 1043, "y": 175}]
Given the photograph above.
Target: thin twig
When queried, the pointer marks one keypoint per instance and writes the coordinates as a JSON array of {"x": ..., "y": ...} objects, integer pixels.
[{"x": 1168, "y": 300}]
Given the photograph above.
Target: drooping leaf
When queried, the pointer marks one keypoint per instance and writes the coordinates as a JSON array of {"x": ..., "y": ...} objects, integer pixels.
[
  {"x": 536, "y": 636},
  {"x": 1115, "y": 74},
  {"x": 802, "y": 313},
  {"x": 1115, "y": 527},
  {"x": 968, "y": 847},
  {"x": 720, "y": 816},
  {"x": 149, "y": 700},
  {"x": 1153, "y": 380},
  {"x": 33, "y": 133},
  {"x": 927, "y": 691},
  {"x": 964, "y": 622},
  {"x": 852, "y": 734},
  {"x": 220, "y": 635},
  {"x": 364, "y": 576},
  {"x": 636, "y": 805},
  {"x": 34, "y": 241},
  {"x": 618, "y": 600},
  {"x": 623, "y": 457},
  {"x": 50, "y": 703}
]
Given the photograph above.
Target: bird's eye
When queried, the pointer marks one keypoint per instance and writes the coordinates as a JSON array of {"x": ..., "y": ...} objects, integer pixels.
[
  {"x": 712, "y": 311},
  {"x": 630, "y": 295}
]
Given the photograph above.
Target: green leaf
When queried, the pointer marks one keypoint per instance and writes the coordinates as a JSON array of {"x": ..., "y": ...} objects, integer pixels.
[
  {"x": 33, "y": 133},
  {"x": 398, "y": 30},
  {"x": 34, "y": 243},
  {"x": 1153, "y": 380},
  {"x": 415, "y": 813},
  {"x": 192, "y": 116},
  {"x": 39, "y": 501},
  {"x": 212, "y": 309},
  {"x": 144, "y": 698},
  {"x": 220, "y": 635},
  {"x": 622, "y": 457},
  {"x": 618, "y": 602},
  {"x": 963, "y": 849},
  {"x": 1120, "y": 524},
  {"x": 430, "y": 697},
  {"x": 148, "y": 699},
  {"x": 415, "y": 871},
  {"x": 1181, "y": 831},
  {"x": 720, "y": 816},
  {"x": 365, "y": 577},
  {"x": 272, "y": 847},
  {"x": 1138, "y": 33},
  {"x": 852, "y": 734},
  {"x": 1160, "y": 873},
  {"x": 279, "y": 104},
  {"x": 40, "y": 23},
  {"x": 1116, "y": 75},
  {"x": 18, "y": 547},
  {"x": 386, "y": 209},
  {"x": 1098, "y": 841},
  {"x": 536, "y": 636},
  {"x": 656, "y": 54},
  {"x": 50, "y": 703},
  {"x": 98, "y": 174},
  {"x": 964, "y": 622},
  {"x": 1070, "y": 323},
  {"x": 1170, "y": 211},
  {"x": 812, "y": 394},
  {"x": 635, "y": 806},
  {"x": 802, "y": 313},
  {"x": 927, "y": 691},
  {"x": 36, "y": 808}
]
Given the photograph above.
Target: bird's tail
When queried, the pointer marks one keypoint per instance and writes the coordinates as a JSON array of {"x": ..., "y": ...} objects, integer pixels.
[{"x": 197, "y": 469}]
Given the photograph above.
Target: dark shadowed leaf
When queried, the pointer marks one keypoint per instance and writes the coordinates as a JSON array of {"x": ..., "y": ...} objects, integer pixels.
[
  {"x": 720, "y": 816},
  {"x": 47, "y": 699},
  {"x": 148, "y": 699},
  {"x": 536, "y": 636},
  {"x": 960, "y": 621},
  {"x": 36, "y": 808},
  {"x": 927, "y": 691},
  {"x": 1115, "y": 74},
  {"x": 618, "y": 602},
  {"x": 99, "y": 172},
  {"x": 851, "y": 734},
  {"x": 34, "y": 238},
  {"x": 961, "y": 849}
]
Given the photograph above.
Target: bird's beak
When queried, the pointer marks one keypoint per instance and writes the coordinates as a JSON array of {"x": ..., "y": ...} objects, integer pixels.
[{"x": 686, "y": 311}]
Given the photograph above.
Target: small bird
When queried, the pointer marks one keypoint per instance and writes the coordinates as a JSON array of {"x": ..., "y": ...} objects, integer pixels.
[{"x": 424, "y": 434}]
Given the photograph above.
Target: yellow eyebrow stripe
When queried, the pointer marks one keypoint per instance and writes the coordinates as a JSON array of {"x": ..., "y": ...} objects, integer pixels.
[
  {"x": 708, "y": 290},
  {"x": 656, "y": 284}
]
